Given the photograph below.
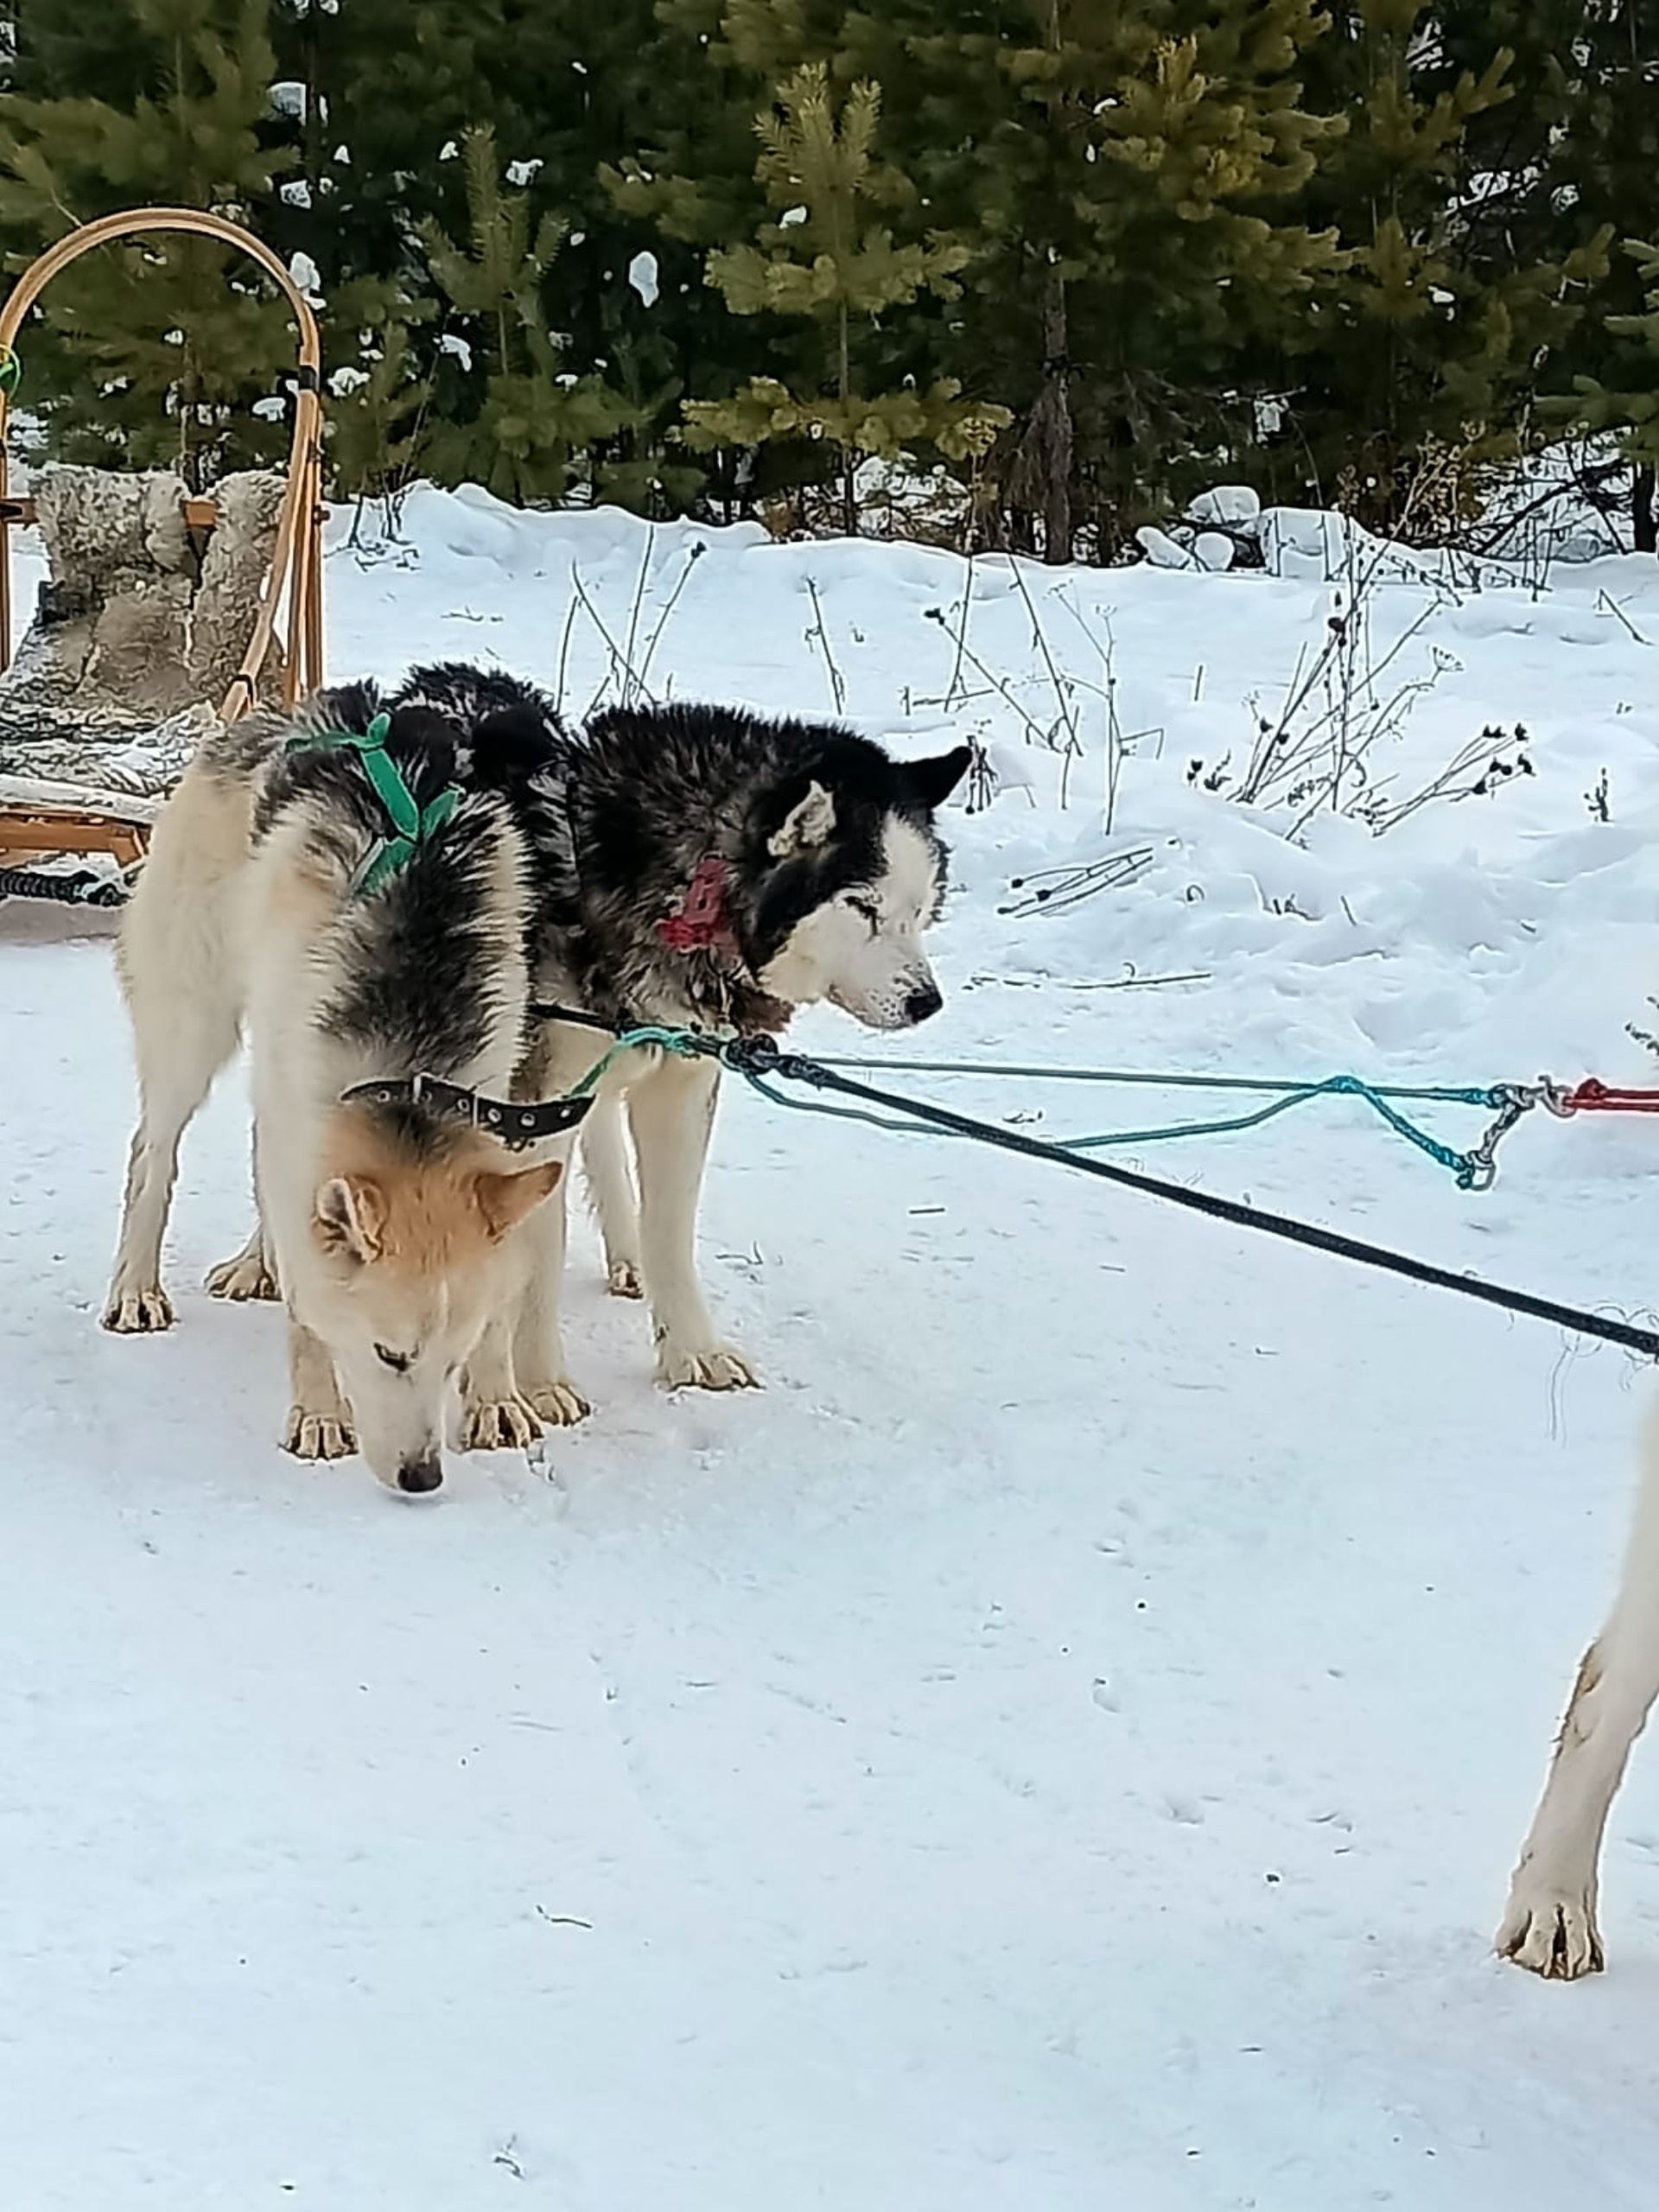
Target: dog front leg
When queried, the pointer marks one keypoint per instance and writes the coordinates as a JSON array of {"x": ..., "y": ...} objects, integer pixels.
[
  {"x": 319, "y": 1421},
  {"x": 672, "y": 1111},
  {"x": 538, "y": 1348},
  {"x": 1550, "y": 1923},
  {"x": 495, "y": 1414}
]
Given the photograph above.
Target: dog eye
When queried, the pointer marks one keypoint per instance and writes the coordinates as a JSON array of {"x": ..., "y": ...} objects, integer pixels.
[{"x": 397, "y": 1361}]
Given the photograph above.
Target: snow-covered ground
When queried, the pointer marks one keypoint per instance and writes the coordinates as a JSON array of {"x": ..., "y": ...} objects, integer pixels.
[{"x": 1063, "y": 1745}]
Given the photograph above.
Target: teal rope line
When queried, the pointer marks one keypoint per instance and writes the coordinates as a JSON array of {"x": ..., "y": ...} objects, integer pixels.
[
  {"x": 1345, "y": 1086},
  {"x": 1457, "y": 1163},
  {"x": 1472, "y": 1094},
  {"x": 690, "y": 1043}
]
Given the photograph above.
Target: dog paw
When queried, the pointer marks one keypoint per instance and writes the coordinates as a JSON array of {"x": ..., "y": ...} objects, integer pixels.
[
  {"x": 498, "y": 1425},
  {"x": 1550, "y": 1929},
  {"x": 622, "y": 1279},
  {"x": 717, "y": 1366},
  {"x": 317, "y": 1436},
  {"x": 557, "y": 1405},
  {"x": 138, "y": 1312},
  {"x": 243, "y": 1279}
]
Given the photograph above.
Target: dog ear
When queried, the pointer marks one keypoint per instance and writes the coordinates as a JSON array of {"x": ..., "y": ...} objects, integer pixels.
[
  {"x": 503, "y": 1200},
  {"x": 922, "y": 787},
  {"x": 350, "y": 1216},
  {"x": 513, "y": 744},
  {"x": 807, "y": 823}
]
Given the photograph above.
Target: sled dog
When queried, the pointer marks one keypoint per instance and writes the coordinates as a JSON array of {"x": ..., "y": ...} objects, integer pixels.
[
  {"x": 674, "y": 865},
  {"x": 329, "y": 887}
]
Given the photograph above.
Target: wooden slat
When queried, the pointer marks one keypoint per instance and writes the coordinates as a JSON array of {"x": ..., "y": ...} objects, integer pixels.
[
  {"x": 33, "y": 831},
  {"x": 199, "y": 514}
]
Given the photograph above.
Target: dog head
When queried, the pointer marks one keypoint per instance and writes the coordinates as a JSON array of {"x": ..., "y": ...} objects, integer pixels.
[
  {"x": 844, "y": 872},
  {"x": 407, "y": 1259}
]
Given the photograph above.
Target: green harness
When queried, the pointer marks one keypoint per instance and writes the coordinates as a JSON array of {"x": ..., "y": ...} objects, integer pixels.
[{"x": 412, "y": 825}]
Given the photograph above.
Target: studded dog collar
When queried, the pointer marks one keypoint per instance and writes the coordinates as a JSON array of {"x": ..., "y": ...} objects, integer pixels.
[{"x": 516, "y": 1126}]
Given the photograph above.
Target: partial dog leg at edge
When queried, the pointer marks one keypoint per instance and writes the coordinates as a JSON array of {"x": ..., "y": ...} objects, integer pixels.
[{"x": 1550, "y": 1925}]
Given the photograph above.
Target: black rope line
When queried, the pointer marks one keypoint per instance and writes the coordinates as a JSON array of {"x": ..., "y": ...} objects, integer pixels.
[{"x": 759, "y": 1059}]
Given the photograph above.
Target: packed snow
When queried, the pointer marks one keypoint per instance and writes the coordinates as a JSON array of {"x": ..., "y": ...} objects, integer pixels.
[{"x": 1064, "y": 1744}]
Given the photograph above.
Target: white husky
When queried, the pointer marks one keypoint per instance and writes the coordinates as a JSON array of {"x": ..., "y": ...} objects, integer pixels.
[{"x": 278, "y": 897}]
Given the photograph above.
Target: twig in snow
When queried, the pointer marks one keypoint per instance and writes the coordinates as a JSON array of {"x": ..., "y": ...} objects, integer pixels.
[
  {"x": 1064, "y": 717},
  {"x": 564, "y": 652},
  {"x": 1035, "y": 729},
  {"x": 1133, "y": 983},
  {"x": 961, "y": 637},
  {"x": 693, "y": 556},
  {"x": 1606, "y": 604},
  {"x": 620, "y": 672},
  {"x": 837, "y": 688},
  {"x": 1050, "y": 890},
  {"x": 632, "y": 684},
  {"x": 1476, "y": 769},
  {"x": 1107, "y": 689}
]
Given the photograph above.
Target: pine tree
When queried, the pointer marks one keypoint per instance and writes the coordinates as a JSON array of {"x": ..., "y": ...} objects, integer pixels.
[
  {"x": 680, "y": 176},
  {"x": 573, "y": 89},
  {"x": 1426, "y": 353},
  {"x": 823, "y": 258},
  {"x": 379, "y": 93},
  {"x": 153, "y": 354},
  {"x": 516, "y": 419},
  {"x": 1128, "y": 178},
  {"x": 1123, "y": 179},
  {"x": 1626, "y": 405},
  {"x": 1599, "y": 179}
]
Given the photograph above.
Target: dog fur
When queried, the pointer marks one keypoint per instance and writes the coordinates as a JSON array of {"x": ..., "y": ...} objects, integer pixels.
[
  {"x": 395, "y": 1237},
  {"x": 819, "y": 868},
  {"x": 830, "y": 872},
  {"x": 1551, "y": 1922}
]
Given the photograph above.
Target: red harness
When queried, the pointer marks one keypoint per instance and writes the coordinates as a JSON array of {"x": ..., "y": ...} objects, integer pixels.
[{"x": 699, "y": 923}]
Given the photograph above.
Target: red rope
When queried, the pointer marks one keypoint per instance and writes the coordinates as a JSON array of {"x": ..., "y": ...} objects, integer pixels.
[{"x": 1593, "y": 1097}]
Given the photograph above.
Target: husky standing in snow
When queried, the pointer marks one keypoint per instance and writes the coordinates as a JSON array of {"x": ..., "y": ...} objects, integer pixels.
[
  {"x": 329, "y": 887},
  {"x": 672, "y": 866},
  {"x": 1550, "y": 1925}
]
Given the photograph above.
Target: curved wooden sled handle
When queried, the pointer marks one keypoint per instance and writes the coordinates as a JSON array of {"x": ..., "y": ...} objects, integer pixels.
[{"x": 296, "y": 560}]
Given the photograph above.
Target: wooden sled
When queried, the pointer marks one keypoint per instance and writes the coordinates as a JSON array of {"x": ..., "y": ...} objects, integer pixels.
[{"x": 45, "y": 816}]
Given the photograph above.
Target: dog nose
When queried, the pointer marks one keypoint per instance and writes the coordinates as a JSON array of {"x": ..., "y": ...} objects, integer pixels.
[
  {"x": 418, "y": 1476},
  {"x": 922, "y": 1005}
]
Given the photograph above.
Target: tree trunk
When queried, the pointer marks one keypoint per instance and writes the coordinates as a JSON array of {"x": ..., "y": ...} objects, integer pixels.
[
  {"x": 1056, "y": 408},
  {"x": 848, "y": 458},
  {"x": 1644, "y": 523}
]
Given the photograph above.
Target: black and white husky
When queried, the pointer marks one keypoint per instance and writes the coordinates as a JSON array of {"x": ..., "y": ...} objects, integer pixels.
[{"x": 666, "y": 865}]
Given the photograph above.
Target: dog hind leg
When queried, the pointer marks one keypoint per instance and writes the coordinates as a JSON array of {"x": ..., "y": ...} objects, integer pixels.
[
  {"x": 181, "y": 975},
  {"x": 1550, "y": 1925},
  {"x": 252, "y": 1272},
  {"x": 672, "y": 1111},
  {"x": 610, "y": 1185}
]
